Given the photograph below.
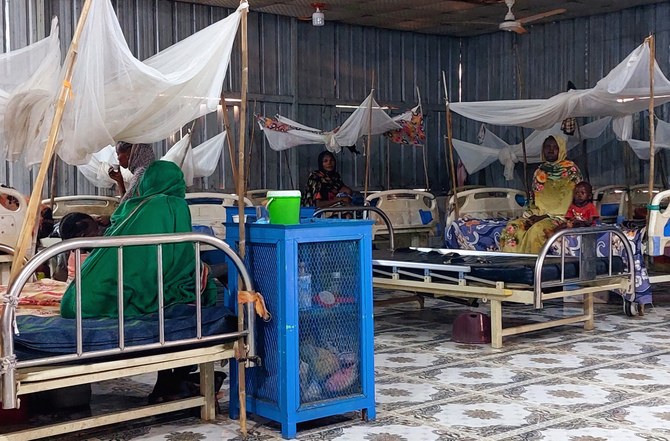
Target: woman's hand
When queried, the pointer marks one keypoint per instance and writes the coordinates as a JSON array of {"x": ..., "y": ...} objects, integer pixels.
[{"x": 118, "y": 178}]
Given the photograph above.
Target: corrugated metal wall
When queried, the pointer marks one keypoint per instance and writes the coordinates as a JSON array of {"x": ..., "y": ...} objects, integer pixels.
[
  {"x": 301, "y": 72},
  {"x": 582, "y": 50}
]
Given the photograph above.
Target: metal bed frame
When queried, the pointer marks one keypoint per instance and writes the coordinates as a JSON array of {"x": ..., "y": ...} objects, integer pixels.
[
  {"x": 85, "y": 367},
  {"x": 465, "y": 286}
]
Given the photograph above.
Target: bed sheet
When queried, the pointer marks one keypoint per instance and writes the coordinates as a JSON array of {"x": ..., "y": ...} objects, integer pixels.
[
  {"x": 484, "y": 234},
  {"x": 41, "y": 298}
]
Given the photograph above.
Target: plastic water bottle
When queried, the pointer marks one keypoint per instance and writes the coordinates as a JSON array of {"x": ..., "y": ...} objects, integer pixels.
[{"x": 304, "y": 287}]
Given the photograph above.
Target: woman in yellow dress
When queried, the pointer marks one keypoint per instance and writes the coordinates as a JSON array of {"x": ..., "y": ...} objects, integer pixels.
[{"x": 550, "y": 197}]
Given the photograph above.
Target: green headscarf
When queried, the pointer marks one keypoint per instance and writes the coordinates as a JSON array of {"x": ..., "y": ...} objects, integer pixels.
[{"x": 159, "y": 208}]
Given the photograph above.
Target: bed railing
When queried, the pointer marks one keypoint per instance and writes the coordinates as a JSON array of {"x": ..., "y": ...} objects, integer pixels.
[
  {"x": 9, "y": 364},
  {"x": 362, "y": 209},
  {"x": 587, "y": 273}
]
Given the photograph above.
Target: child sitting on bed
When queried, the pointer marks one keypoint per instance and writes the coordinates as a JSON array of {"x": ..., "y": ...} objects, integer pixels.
[
  {"x": 77, "y": 225},
  {"x": 582, "y": 212}
]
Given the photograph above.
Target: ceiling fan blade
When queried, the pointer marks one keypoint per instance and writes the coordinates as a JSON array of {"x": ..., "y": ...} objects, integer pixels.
[
  {"x": 520, "y": 30},
  {"x": 541, "y": 15}
]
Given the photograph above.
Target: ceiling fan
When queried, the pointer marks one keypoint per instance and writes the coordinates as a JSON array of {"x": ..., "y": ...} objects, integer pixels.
[{"x": 513, "y": 24}]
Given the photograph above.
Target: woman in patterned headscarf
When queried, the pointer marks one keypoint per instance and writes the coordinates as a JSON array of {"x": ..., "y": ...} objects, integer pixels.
[
  {"x": 324, "y": 186},
  {"x": 136, "y": 158},
  {"x": 550, "y": 197}
]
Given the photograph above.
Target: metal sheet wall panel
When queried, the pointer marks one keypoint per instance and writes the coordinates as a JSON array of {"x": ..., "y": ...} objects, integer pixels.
[
  {"x": 301, "y": 72},
  {"x": 582, "y": 50}
]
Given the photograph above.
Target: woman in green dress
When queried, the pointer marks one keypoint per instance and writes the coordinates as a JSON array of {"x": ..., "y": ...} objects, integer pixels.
[
  {"x": 550, "y": 197},
  {"x": 159, "y": 207}
]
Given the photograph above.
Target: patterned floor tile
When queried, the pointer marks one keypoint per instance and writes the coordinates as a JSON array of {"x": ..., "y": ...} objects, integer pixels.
[
  {"x": 607, "y": 348},
  {"x": 403, "y": 337},
  {"x": 565, "y": 394},
  {"x": 580, "y": 429},
  {"x": 403, "y": 360},
  {"x": 651, "y": 414},
  {"x": 652, "y": 336},
  {"x": 393, "y": 393},
  {"x": 388, "y": 429},
  {"x": 638, "y": 377},
  {"x": 476, "y": 377},
  {"x": 479, "y": 417},
  {"x": 545, "y": 361}
]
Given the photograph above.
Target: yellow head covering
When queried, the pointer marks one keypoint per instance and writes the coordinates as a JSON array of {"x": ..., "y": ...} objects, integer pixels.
[{"x": 562, "y": 148}]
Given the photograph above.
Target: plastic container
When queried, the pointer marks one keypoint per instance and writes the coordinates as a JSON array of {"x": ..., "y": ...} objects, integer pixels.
[
  {"x": 472, "y": 328},
  {"x": 284, "y": 207},
  {"x": 304, "y": 287}
]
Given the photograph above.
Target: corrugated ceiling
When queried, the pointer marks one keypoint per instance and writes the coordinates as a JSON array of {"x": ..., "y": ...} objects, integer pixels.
[{"x": 443, "y": 17}]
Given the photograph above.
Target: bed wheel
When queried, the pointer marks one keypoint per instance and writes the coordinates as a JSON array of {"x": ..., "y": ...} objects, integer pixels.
[{"x": 629, "y": 308}]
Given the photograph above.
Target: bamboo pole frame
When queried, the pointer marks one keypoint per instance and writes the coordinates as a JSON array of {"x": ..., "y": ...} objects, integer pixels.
[
  {"x": 241, "y": 191},
  {"x": 229, "y": 136},
  {"x": 30, "y": 223},
  {"x": 652, "y": 60},
  {"x": 369, "y": 141},
  {"x": 450, "y": 144}
]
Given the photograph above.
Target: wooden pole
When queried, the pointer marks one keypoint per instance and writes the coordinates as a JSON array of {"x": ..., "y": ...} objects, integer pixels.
[
  {"x": 247, "y": 159},
  {"x": 525, "y": 163},
  {"x": 369, "y": 141},
  {"x": 523, "y": 135},
  {"x": 585, "y": 155},
  {"x": 54, "y": 178},
  {"x": 241, "y": 191},
  {"x": 424, "y": 152},
  {"x": 652, "y": 152},
  {"x": 450, "y": 144},
  {"x": 229, "y": 137},
  {"x": 30, "y": 222}
]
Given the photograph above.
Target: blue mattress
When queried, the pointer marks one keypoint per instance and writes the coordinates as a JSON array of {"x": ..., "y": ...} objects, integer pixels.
[
  {"x": 512, "y": 269},
  {"x": 42, "y": 336}
]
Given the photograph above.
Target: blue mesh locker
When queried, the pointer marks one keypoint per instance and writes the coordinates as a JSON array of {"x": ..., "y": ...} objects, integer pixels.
[{"x": 317, "y": 351}]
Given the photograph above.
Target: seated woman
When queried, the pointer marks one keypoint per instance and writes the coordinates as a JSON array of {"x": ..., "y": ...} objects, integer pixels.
[
  {"x": 324, "y": 186},
  {"x": 136, "y": 158},
  {"x": 159, "y": 207},
  {"x": 550, "y": 197}
]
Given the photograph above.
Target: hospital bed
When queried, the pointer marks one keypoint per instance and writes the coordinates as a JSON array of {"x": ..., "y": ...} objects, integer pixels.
[
  {"x": 496, "y": 277},
  {"x": 10, "y": 231},
  {"x": 639, "y": 199},
  {"x": 259, "y": 196},
  {"x": 611, "y": 203},
  {"x": 89, "y": 204},
  {"x": 412, "y": 212},
  {"x": 208, "y": 211},
  {"x": 486, "y": 203},
  {"x": 46, "y": 353}
]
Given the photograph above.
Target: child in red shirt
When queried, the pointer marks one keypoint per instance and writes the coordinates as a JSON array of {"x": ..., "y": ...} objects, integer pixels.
[{"x": 582, "y": 212}]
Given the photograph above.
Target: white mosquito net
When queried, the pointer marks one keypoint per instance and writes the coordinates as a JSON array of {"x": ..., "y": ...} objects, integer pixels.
[
  {"x": 28, "y": 80},
  {"x": 661, "y": 141},
  {"x": 198, "y": 162},
  {"x": 478, "y": 156},
  {"x": 625, "y": 90},
  {"x": 369, "y": 118},
  {"x": 116, "y": 97},
  {"x": 97, "y": 169}
]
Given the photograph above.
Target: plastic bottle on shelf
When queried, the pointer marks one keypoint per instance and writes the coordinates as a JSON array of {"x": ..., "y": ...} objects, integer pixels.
[
  {"x": 335, "y": 283},
  {"x": 304, "y": 287}
]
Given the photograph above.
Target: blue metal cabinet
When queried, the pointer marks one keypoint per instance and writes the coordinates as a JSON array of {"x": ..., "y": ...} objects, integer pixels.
[{"x": 317, "y": 351}]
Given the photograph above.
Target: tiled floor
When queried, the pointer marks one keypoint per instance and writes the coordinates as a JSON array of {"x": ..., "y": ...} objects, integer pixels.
[{"x": 563, "y": 384}]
